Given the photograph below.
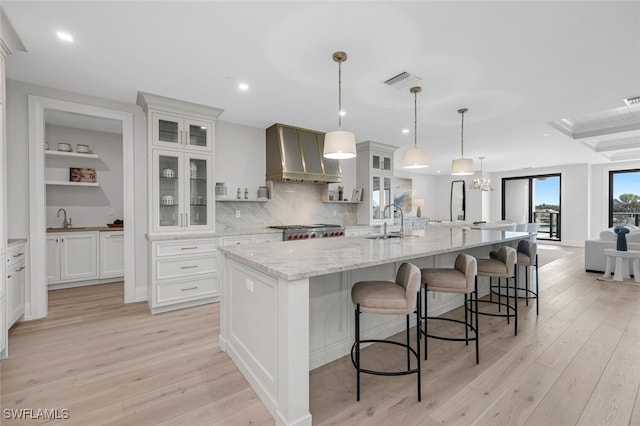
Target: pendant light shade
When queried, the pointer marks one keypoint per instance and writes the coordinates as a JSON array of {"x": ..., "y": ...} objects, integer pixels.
[
  {"x": 415, "y": 158},
  {"x": 462, "y": 166},
  {"x": 339, "y": 144}
]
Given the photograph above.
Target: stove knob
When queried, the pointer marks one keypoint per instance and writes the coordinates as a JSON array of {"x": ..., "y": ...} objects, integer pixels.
[
  {"x": 341, "y": 233},
  {"x": 313, "y": 235},
  {"x": 295, "y": 237},
  {"x": 306, "y": 235},
  {"x": 326, "y": 234},
  {"x": 289, "y": 237}
]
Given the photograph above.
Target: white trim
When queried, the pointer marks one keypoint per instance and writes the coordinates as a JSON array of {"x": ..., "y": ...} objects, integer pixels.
[{"x": 37, "y": 308}]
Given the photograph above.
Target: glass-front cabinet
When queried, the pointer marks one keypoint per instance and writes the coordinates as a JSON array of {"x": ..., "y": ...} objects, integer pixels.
[
  {"x": 380, "y": 196},
  {"x": 181, "y": 187},
  {"x": 375, "y": 175},
  {"x": 174, "y": 131}
]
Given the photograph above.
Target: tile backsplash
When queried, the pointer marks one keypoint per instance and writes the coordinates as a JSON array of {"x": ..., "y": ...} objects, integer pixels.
[{"x": 291, "y": 203}]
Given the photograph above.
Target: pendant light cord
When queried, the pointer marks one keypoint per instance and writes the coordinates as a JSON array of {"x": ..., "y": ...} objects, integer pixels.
[
  {"x": 339, "y": 95},
  {"x": 415, "y": 119},
  {"x": 462, "y": 137}
]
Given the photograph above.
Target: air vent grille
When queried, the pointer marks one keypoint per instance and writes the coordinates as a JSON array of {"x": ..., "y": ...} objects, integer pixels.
[
  {"x": 403, "y": 80},
  {"x": 632, "y": 101}
]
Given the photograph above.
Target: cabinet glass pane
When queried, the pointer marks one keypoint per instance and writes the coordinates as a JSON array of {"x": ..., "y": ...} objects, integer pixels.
[
  {"x": 198, "y": 192},
  {"x": 375, "y": 197},
  {"x": 168, "y": 131},
  {"x": 386, "y": 194},
  {"x": 198, "y": 135},
  {"x": 375, "y": 162},
  {"x": 387, "y": 163},
  {"x": 169, "y": 194}
]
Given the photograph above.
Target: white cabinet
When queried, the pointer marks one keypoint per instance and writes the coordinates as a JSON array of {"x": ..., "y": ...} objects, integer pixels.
[
  {"x": 177, "y": 131},
  {"x": 183, "y": 273},
  {"x": 267, "y": 238},
  {"x": 111, "y": 254},
  {"x": 182, "y": 192},
  {"x": 16, "y": 282},
  {"x": 374, "y": 173},
  {"x": 236, "y": 241},
  {"x": 72, "y": 256}
]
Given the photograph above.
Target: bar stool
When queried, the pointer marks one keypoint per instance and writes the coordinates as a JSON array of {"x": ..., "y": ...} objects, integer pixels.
[
  {"x": 527, "y": 256},
  {"x": 401, "y": 297},
  {"x": 459, "y": 279},
  {"x": 501, "y": 264}
]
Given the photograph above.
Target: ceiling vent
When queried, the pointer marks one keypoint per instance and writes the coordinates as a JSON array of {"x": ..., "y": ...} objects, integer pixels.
[
  {"x": 632, "y": 101},
  {"x": 403, "y": 80}
]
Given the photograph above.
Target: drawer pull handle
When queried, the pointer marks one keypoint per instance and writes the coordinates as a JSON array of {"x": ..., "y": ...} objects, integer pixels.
[
  {"x": 189, "y": 248},
  {"x": 8, "y": 276},
  {"x": 18, "y": 255},
  {"x": 22, "y": 268},
  {"x": 190, "y": 288},
  {"x": 190, "y": 267}
]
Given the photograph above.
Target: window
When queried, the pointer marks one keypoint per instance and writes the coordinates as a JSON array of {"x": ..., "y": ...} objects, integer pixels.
[
  {"x": 534, "y": 199},
  {"x": 624, "y": 197}
]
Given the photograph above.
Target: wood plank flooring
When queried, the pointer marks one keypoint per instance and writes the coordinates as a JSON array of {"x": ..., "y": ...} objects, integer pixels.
[{"x": 578, "y": 362}]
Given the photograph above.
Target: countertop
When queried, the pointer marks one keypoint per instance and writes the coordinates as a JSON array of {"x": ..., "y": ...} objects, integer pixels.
[
  {"x": 83, "y": 229},
  {"x": 292, "y": 260},
  {"x": 217, "y": 234}
]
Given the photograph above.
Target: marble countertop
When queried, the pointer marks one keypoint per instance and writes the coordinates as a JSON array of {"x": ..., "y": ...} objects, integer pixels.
[
  {"x": 292, "y": 260},
  {"x": 83, "y": 229},
  {"x": 217, "y": 234}
]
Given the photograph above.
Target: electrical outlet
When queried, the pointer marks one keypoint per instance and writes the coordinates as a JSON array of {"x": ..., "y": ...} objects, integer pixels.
[
  {"x": 248, "y": 285},
  {"x": 237, "y": 213}
]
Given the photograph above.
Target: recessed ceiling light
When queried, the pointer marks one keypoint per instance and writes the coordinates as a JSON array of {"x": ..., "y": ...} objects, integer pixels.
[
  {"x": 243, "y": 86},
  {"x": 546, "y": 134},
  {"x": 342, "y": 113},
  {"x": 405, "y": 131},
  {"x": 438, "y": 171},
  {"x": 64, "y": 36},
  {"x": 564, "y": 120}
]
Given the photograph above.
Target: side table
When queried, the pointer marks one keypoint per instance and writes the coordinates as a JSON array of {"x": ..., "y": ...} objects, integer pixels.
[{"x": 621, "y": 270}]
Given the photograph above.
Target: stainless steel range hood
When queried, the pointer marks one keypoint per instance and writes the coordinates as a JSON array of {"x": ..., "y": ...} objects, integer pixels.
[{"x": 295, "y": 155}]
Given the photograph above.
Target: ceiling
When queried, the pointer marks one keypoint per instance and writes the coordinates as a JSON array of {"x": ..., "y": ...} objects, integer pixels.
[{"x": 519, "y": 67}]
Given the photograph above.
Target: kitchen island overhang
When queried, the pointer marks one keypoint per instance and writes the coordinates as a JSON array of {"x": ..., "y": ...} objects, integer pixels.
[{"x": 285, "y": 306}]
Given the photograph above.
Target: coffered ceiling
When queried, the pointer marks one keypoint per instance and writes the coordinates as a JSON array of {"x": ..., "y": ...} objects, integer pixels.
[{"x": 544, "y": 82}]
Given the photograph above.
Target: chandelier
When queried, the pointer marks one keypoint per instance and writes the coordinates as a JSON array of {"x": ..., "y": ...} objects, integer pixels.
[{"x": 482, "y": 183}]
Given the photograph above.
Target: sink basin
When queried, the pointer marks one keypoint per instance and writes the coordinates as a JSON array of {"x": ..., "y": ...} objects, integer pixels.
[
  {"x": 74, "y": 228},
  {"x": 381, "y": 237}
]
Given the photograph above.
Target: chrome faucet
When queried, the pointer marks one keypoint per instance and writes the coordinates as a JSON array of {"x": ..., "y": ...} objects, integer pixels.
[
  {"x": 65, "y": 223},
  {"x": 397, "y": 207}
]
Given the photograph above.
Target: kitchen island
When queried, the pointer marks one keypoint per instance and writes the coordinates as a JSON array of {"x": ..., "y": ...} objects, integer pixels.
[{"x": 286, "y": 306}]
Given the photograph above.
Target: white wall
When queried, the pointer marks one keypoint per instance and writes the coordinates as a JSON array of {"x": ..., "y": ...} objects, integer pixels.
[
  {"x": 422, "y": 186},
  {"x": 18, "y": 165},
  {"x": 91, "y": 206}
]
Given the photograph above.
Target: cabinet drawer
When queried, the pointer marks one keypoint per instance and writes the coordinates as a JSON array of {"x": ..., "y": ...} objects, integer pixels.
[
  {"x": 15, "y": 255},
  {"x": 186, "y": 247},
  {"x": 191, "y": 289},
  {"x": 167, "y": 269},
  {"x": 234, "y": 241},
  {"x": 267, "y": 238}
]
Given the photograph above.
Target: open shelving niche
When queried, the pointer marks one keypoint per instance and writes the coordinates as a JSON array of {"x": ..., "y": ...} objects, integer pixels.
[
  {"x": 268, "y": 184},
  {"x": 325, "y": 197},
  {"x": 63, "y": 154}
]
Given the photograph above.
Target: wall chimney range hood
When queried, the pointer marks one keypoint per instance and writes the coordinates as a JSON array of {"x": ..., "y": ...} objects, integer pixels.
[{"x": 295, "y": 155}]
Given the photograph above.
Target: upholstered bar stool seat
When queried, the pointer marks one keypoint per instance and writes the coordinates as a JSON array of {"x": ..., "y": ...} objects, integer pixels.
[
  {"x": 401, "y": 297},
  {"x": 459, "y": 279},
  {"x": 501, "y": 264}
]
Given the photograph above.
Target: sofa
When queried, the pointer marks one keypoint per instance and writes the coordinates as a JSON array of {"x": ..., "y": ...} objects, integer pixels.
[{"x": 594, "y": 258}]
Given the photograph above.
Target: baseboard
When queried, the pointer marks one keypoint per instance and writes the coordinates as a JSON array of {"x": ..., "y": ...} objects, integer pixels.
[{"x": 60, "y": 286}]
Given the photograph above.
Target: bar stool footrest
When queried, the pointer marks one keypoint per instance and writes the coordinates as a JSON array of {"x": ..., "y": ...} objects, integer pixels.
[
  {"x": 493, "y": 302},
  {"x": 451, "y": 339},
  {"x": 386, "y": 373}
]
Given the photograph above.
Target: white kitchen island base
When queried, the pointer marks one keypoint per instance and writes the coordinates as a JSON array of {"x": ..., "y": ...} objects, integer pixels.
[{"x": 286, "y": 306}]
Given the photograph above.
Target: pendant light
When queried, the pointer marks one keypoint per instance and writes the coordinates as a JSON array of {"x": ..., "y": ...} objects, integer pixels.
[
  {"x": 415, "y": 158},
  {"x": 462, "y": 166},
  {"x": 339, "y": 144},
  {"x": 481, "y": 184}
]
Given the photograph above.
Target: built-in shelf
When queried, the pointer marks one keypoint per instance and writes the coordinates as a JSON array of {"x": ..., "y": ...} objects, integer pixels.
[
  {"x": 69, "y": 154},
  {"x": 63, "y": 183},
  {"x": 342, "y": 202},
  {"x": 242, "y": 200}
]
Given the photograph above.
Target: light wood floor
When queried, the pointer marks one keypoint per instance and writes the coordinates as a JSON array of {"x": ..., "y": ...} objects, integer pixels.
[{"x": 109, "y": 363}]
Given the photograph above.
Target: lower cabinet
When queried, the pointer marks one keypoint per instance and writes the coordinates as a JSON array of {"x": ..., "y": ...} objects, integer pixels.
[
  {"x": 183, "y": 273},
  {"x": 111, "y": 254},
  {"x": 16, "y": 282},
  {"x": 72, "y": 256},
  {"x": 3, "y": 328}
]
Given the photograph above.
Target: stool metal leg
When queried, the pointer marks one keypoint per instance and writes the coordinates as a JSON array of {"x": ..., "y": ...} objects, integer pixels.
[
  {"x": 515, "y": 300},
  {"x": 418, "y": 316},
  {"x": 466, "y": 321},
  {"x": 527, "y": 270},
  {"x": 408, "y": 345},
  {"x": 426, "y": 314},
  {"x": 477, "y": 325},
  {"x": 537, "y": 287},
  {"x": 358, "y": 352}
]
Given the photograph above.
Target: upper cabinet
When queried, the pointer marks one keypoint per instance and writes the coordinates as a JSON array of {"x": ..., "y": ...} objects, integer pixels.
[
  {"x": 173, "y": 131},
  {"x": 176, "y": 124},
  {"x": 181, "y": 159},
  {"x": 374, "y": 173}
]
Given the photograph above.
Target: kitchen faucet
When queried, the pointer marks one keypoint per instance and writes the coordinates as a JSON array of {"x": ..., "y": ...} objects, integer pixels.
[
  {"x": 65, "y": 223},
  {"x": 401, "y": 219}
]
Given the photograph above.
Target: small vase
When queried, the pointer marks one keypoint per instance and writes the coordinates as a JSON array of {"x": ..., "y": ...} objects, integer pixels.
[{"x": 621, "y": 243}]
